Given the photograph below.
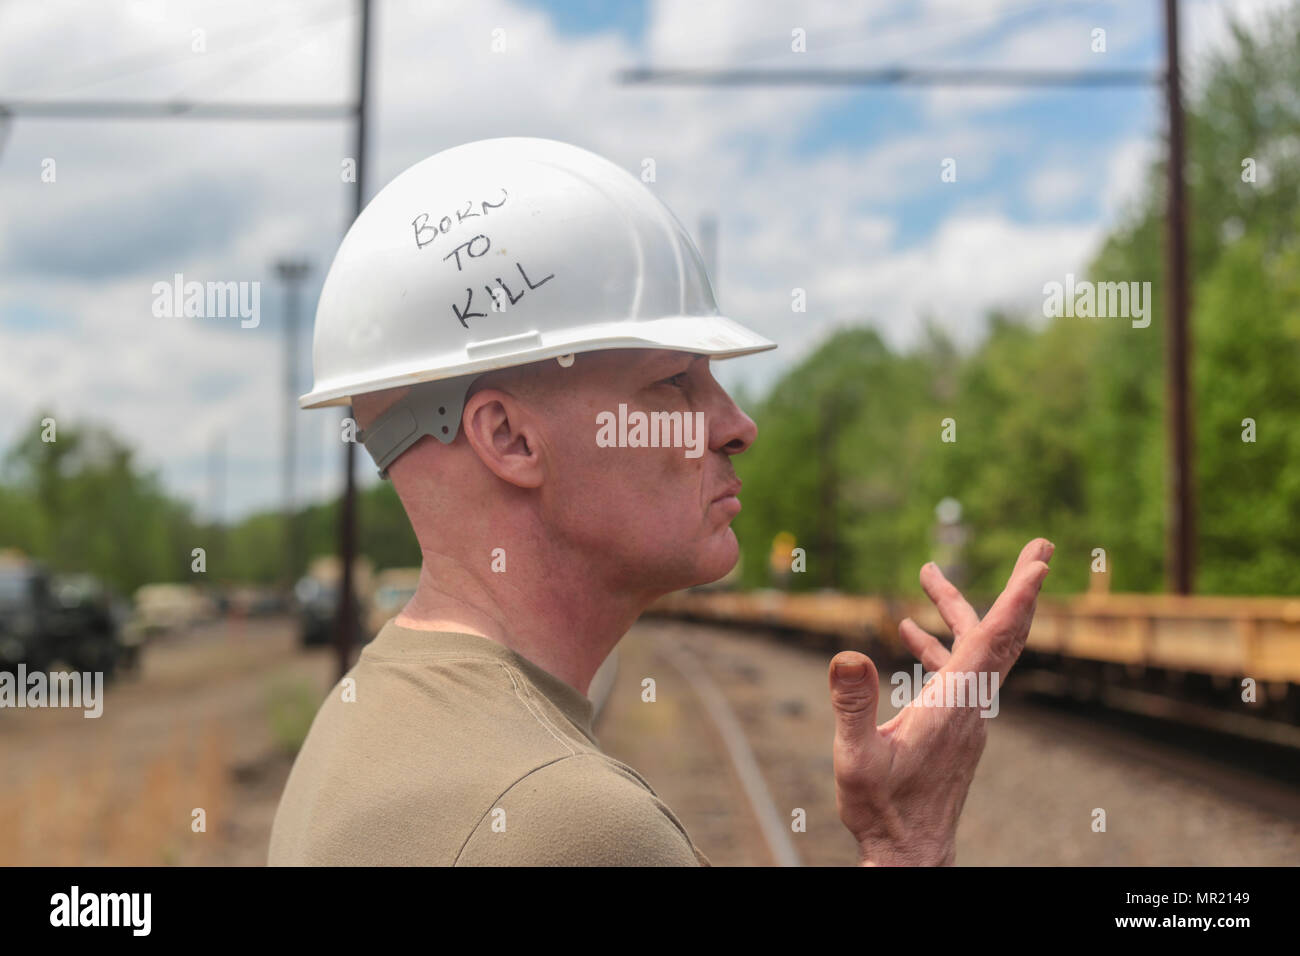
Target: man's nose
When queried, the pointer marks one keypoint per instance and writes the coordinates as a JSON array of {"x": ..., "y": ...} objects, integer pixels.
[{"x": 731, "y": 430}]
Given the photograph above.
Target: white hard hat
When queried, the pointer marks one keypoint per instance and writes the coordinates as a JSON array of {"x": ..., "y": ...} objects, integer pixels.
[{"x": 499, "y": 253}]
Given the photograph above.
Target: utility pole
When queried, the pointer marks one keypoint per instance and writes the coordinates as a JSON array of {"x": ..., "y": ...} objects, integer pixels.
[
  {"x": 275, "y": 112},
  {"x": 345, "y": 628},
  {"x": 1180, "y": 524},
  {"x": 291, "y": 272},
  {"x": 216, "y": 496},
  {"x": 1180, "y": 504}
]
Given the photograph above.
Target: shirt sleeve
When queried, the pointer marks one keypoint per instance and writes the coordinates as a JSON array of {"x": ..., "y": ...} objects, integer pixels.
[{"x": 580, "y": 810}]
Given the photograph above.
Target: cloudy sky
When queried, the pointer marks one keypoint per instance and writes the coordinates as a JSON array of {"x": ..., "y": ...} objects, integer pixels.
[{"x": 834, "y": 190}]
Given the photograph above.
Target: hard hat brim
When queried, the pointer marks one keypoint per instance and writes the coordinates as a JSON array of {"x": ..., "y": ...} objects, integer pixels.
[{"x": 714, "y": 335}]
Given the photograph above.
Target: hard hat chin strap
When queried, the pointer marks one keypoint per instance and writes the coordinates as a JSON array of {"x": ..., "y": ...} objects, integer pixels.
[{"x": 429, "y": 408}]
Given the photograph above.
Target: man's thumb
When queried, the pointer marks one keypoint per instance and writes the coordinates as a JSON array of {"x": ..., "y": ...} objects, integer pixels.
[{"x": 855, "y": 688}]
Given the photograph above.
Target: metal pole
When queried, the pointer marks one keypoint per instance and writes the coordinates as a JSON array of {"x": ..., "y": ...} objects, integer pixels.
[
  {"x": 345, "y": 628},
  {"x": 1180, "y": 540},
  {"x": 291, "y": 273},
  {"x": 1180, "y": 543},
  {"x": 290, "y": 419},
  {"x": 216, "y": 497}
]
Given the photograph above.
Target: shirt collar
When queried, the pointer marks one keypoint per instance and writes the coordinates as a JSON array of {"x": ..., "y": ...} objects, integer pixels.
[{"x": 393, "y": 640}]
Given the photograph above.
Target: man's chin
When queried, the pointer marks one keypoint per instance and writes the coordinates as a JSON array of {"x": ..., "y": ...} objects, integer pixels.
[
  {"x": 719, "y": 566},
  {"x": 713, "y": 562}
]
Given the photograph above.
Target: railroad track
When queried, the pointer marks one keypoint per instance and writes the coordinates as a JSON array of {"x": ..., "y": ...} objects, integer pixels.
[
  {"x": 772, "y": 823},
  {"x": 1176, "y": 794}
]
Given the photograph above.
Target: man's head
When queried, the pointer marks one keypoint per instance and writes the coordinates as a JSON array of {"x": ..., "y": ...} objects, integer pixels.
[{"x": 527, "y": 467}]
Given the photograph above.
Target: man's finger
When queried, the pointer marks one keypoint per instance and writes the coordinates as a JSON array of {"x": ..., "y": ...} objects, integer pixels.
[
  {"x": 855, "y": 689},
  {"x": 1018, "y": 597},
  {"x": 1004, "y": 630},
  {"x": 953, "y": 608},
  {"x": 925, "y": 647},
  {"x": 1040, "y": 549}
]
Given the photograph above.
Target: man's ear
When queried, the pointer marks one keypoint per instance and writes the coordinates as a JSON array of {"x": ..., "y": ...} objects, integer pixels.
[{"x": 505, "y": 436}]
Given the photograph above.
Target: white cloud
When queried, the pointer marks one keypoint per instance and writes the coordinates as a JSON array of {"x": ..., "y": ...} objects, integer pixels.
[
  {"x": 971, "y": 265},
  {"x": 1057, "y": 186}
]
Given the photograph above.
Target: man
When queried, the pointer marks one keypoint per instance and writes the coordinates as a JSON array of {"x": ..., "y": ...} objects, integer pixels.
[{"x": 462, "y": 736}]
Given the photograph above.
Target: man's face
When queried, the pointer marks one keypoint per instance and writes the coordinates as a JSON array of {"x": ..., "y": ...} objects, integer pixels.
[{"x": 659, "y": 518}]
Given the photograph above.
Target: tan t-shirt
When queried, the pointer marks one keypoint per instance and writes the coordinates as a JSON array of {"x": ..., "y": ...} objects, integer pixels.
[{"x": 459, "y": 752}]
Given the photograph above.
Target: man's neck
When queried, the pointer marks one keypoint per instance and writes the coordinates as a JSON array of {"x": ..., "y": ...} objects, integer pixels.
[{"x": 558, "y": 621}]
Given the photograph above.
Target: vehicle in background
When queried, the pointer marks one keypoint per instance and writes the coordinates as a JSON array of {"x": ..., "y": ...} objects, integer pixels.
[
  {"x": 317, "y": 598},
  {"x": 88, "y": 627},
  {"x": 26, "y": 613},
  {"x": 393, "y": 588},
  {"x": 60, "y": 621},
  {"x": 165, "y": 608},
  {"x": 250, "y": 601}
]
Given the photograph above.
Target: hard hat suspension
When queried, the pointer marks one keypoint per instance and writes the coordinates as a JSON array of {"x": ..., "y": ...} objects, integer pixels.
[{"x": 429, "y": 408}]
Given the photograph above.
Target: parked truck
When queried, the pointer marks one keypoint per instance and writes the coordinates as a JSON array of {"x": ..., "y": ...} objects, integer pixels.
[{"x": 52, "y": 621}]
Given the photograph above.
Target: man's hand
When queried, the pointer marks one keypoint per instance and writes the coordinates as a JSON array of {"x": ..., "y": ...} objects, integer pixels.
[{"x": 900, "y": 787}]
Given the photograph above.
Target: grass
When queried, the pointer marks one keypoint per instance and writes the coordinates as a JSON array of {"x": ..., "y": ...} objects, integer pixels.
[{"x": 291, "y": 707}]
